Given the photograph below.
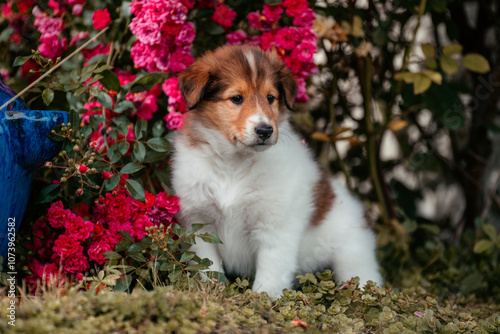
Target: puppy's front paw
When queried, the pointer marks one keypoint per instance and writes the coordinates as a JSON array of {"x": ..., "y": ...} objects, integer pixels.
[{"x": 272, "y": 291}]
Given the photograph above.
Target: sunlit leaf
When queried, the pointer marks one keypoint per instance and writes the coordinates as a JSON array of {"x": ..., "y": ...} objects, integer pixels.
[
  {"x": 448, "y": 64},
  {"x": 428, "y": 49},
  {"x": 452, "y": 49},
  {"x": 421, "y": 84},
  {"x": 476, "y": 63}
]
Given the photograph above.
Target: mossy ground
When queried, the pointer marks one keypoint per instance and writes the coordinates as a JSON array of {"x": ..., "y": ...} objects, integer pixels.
[{"x": 213, "y": 308}]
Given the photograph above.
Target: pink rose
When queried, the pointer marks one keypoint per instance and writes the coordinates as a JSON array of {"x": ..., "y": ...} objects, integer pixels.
[
  {"x": 174, "y": 120},
  {"x": 305, "y": 19},
  {"x": 236, "y": 38},
  {"x": 272, "y": 13},
  {"x": 295, "y": 7},
  {"x": 224, "y": 16},
  {"x": 254, "y": 20},
  {"x": 101, "y": 19}
]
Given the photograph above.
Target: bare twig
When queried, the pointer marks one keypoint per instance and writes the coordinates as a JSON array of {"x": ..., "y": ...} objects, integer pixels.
[{"x": 54, "y": 68}]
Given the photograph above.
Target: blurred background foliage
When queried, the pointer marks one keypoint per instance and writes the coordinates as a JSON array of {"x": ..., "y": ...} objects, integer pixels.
[{"x": 404, "y": 108}]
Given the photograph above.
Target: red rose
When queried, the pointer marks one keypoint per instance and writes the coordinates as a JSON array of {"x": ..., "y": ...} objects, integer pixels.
[
  {"x": 57, "y": 216},
  {"x": 65, "y": 246},
  {"x": 169, "y": 203}
]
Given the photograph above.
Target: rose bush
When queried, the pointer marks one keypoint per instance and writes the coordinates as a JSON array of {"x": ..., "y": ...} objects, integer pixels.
[{"x": 125, "y": 105}]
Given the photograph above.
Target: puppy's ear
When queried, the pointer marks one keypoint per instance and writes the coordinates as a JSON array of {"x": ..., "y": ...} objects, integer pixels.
[
  {"x": 193, "y": 82},
  {"x": 287, "y": 87}
]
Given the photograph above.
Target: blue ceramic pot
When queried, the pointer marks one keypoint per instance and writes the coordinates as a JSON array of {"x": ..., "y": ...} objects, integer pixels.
[{"x": 23, "y": 148}]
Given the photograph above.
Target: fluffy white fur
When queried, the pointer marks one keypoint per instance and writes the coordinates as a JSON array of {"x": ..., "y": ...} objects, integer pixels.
[{"x": 260, "y": 204}]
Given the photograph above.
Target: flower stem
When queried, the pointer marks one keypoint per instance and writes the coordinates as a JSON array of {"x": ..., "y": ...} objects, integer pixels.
[{"x": 371, "y": 144}]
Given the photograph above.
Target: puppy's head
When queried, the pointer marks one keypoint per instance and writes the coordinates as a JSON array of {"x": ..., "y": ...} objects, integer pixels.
[{"x": 240, "y": 91}]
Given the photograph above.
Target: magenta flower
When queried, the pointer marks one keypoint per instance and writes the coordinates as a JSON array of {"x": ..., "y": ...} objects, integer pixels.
[
  {"x": 224, "y": 16},
  {"x": 101, "y": 19}
]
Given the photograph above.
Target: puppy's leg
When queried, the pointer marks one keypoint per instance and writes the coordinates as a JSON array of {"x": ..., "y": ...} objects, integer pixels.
[
  {"x": 206, "y": 250},
  {"x": 355, "y": 256},
  {"x": 276, "y": 265}
]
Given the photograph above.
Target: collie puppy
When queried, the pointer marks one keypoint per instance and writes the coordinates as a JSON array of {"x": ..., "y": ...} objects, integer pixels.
[{"x": 239, "y": 166}]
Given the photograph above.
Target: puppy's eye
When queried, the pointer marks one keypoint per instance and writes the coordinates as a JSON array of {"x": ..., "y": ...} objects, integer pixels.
[
  {"x": 270, "y": 99},
  {"x": 238, "y": 99}
]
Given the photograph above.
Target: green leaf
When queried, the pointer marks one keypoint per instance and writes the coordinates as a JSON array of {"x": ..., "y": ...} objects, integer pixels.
[
  {"x": 48, "y": 194},
  {"x": 20, "y": 61},
  {"x": 139, "y": 151},
  {"x": 126, "y": 235},
  {"x": 131, "y": 167},
  {"x": 272, "y": 2},
  {"x": 482, "y": 246},
  {"x": 476, "y": 63},
  {"x": 452, "y": 49},
  {"x": 112, "y": 182},
  {"x": 143, "y": 273},
  {"x": 175, "y": 275},
  {"x": 48, "y": 96},
  {"x": 102, "y": 68},
  {"x": 178, "y": 230},
  {"x": 140, "y": 128},
  {"x": 204, "y": 12},
  {"x": 86, "y": 130},
  {"x": 448, "y": 64},
  {"x": 166, "y": 266},
  {"x": 114, "y": 154},
  {"x": 111, "y": 255},
  {"x": 135, "y": 190},
  {"x": 431, "y": 63},
  {"x": 159, "y": 128},
  {"x": 122, "y": 106},
  {"x": 210, "y": 238},
  {"x": 490, "y": 231},
  {"x": 105, "y": 100},
  {"x": 137, "y": 247},
  {"x": 123, "y": 146},
  {"x": 187, "y": 256},
  {"x": 122, "y": 245},
  {"x": 159, "y": 144},
  {"x": 123, "y": 283},
  {"x": 53, "y": 136},
  {"x": 428, "y": 49},
  {"x": 95, "y": 90},
  {"x": 196, "y": 227},
  {"x": 74, "y": 119},
  {"x": 146, "y": 82},
  {"x": 153, "y": 156},
  {"x": 436, "y": 77},
  {"x": 198, "y": 266},
  {"x": 138, "y": 257},
  {"x": 110, "y": 80},
  {"x": 421, "y": 84},
  {"x": 80, "y": 91},
  {"x": 211, "y": 27}
]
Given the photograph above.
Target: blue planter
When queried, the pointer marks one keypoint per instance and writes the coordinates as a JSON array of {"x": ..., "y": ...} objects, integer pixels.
[{"x": 23, "y": 148}]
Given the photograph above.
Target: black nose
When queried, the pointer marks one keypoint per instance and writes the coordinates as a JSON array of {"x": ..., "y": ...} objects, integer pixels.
[{"x": 264, "y": 131}]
